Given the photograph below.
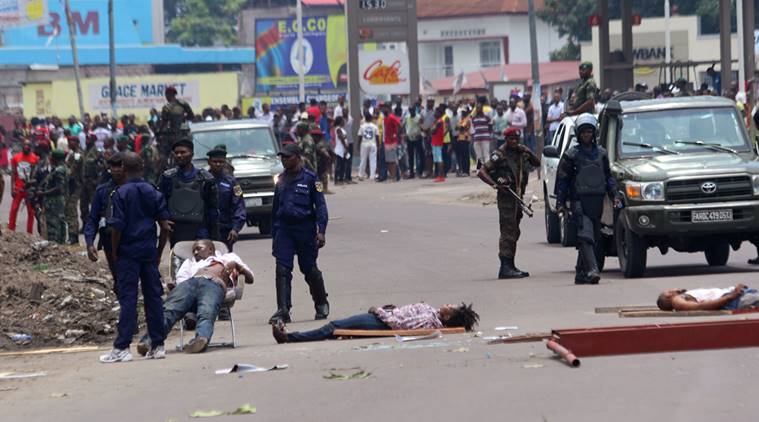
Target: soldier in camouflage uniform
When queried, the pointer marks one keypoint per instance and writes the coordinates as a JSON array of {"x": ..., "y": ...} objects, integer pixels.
[
  {"x": 92, "y": 170},
  {"x": 151, "y": 160},
  {"x": 586, "y": 92},
  {"x": 74, "y": 162},
  {"x": 509, "y": 167},
  {"x": 54, "y": 191},
  {"x": 307, "y": 145},
  {"x": 173, "y": 124},
  {"x": 324, "y": 158}
]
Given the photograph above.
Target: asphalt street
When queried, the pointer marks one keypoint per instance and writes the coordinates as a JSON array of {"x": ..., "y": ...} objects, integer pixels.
[{"x": 402, "y": 243}]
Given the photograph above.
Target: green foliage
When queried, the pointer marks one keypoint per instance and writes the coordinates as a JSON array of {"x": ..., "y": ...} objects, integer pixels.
[
  {"x": 570, "y": 51},
  {"x": 203, "y": 22}
]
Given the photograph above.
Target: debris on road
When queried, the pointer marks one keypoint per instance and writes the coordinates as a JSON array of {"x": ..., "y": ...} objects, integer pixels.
[
  {"x": 59, "y": 395},
  {"x": 507, "y": 328},
  {"x": 51, "y": 295},
  {"x": 245, "y": 409},
  {"x": 361, "y": 374},
  {"x": 206, "y": 413},
  {"x": 433, "y": 335},
  {"x": 16, "y": 376},
  {"x": 459, "y": 350},
  {"x": 532, "y": 365},
  {"x": 246, "y": 367}
]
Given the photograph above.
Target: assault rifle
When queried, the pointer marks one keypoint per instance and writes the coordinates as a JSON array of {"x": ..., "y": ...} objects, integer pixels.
[{"x": 504, "y": 187}]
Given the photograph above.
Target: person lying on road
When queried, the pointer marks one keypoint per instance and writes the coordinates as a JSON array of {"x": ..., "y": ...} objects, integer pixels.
[
  {"x": 708, "y": 299},
  {"x": 203, "y": 282},
  {"x": 389, "y": 317}
]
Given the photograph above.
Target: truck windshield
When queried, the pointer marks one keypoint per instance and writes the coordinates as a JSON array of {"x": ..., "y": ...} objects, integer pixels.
[
  {"x": 239, "y": 142},
  {"x": 684, "y": 130}
]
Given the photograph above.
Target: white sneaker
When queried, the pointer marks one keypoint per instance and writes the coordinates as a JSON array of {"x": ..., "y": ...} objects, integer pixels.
[
  {"x": 116, "y": 355},
  {"x": 158, "y": 352}
]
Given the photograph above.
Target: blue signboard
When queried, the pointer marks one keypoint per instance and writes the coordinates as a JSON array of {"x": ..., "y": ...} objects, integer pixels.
[{"x": 133, "y": 24}]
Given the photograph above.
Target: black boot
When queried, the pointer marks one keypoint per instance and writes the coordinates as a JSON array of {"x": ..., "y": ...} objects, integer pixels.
[
  {"x": 581, "y": 276},
  {"x": 589, "y": 261},
  {"x": 514, "y": 266},
  {"x": 315, "y": 282},
  {"x": 282, "y": 281},
  {"x": 507, "y": 269}
]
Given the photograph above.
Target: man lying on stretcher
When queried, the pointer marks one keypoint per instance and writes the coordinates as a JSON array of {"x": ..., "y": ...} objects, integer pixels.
[
  {"x": 389, "y": 317},
  {"x": 709, "y": 299}
]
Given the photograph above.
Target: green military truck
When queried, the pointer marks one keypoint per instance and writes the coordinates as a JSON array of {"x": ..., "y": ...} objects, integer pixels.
[{"x": 689, "y": 176}]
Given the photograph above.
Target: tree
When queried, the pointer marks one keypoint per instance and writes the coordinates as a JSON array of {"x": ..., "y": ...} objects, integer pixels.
[{"x": 203, "y": 22}]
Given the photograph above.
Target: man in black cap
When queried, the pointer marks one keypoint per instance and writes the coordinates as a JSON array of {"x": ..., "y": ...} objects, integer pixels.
[
  {"x": 586, "y": 92},
  {"x": 299, "y": 217},
  {"x": 231, "y": 203},
  {"x": 192, "y": 197}
]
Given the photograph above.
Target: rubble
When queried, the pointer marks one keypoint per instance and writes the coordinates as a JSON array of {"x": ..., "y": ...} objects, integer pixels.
[{"x": 53, "y": 294}]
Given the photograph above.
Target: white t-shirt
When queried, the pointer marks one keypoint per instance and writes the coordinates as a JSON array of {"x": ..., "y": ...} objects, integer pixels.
[
  {"x": 709, "y": 294},
  {"x": 368, "y": 133},
  {"x": 554, "y": 112},
  {"x": 517, "y": 118},
  {"x": 190, "y": 266},
  {"x": 338, "y": 112},
  {"x": 340, "y": 150}
]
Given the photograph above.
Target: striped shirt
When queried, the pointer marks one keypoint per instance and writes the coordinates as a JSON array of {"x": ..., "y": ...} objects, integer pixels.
[
  {"x": 481, "y": 128},
  {"x": 411, "y": 317}
]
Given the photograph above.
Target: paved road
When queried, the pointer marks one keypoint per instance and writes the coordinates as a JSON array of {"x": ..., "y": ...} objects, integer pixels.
[{"x": 399, "y": 244}]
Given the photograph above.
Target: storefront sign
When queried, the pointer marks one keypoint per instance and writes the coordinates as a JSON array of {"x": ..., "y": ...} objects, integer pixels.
[
  {"x": 384, "y": 72},
  {"x": 142, "y": 95},
  {"x": 22, "y": 12},
  {"x": 324, "y": 53}
]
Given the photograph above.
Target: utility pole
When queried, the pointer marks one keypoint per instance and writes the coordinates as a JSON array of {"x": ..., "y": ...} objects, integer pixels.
[
  {"x": 301, "y": 58},
  {"x": 667, "y": 43},
  {"x": 535, "y": 70},
  {"x": 74, "y": 55},
  {"x": 112, "y": 59}
]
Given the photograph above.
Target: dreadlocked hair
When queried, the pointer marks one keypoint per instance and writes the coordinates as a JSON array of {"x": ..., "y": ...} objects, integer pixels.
[{"x": 464, "y": 316}]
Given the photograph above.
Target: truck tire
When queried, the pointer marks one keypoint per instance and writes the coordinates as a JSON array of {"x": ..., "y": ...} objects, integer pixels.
[
  {"x": 631, "y": 251},
  {"x": 264, "y": 226},
  {"x": 568, "y": 232},
  {"x": 717, "y": 254},
  {"x": 553, "y": 230}
]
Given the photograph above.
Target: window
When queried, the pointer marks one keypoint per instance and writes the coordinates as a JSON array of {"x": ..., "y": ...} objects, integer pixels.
[
  {"x": 448, "y": 60},
  {"x": 490, "y": 53}
]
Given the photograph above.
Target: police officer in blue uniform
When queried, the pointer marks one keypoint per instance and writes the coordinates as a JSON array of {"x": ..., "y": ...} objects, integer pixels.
[
  {"x": 100, "y": 210},
  {"x": 191, "y": 195},
  {"x": 584, "y": 178},
  {"x": 136, "y": 251},
  {"x": 231, "y": 203},
  {"x": 299, "y": 216}
]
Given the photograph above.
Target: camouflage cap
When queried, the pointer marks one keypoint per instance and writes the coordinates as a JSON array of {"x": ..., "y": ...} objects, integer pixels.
[
  {"x": 586, "y": 65},
  {"x": 58, "y": 154}
]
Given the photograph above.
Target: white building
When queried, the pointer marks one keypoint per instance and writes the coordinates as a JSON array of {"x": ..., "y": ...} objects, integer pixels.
[
  {"x": 688, "y": 44},
  {"x": 464, "y": 36}
]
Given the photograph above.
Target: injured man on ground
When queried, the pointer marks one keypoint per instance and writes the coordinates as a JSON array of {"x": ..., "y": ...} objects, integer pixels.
[
  {"x": 708, "y": 299},
  {"x": 204, "y": 283},
  {"x": 389, "y": 317}
]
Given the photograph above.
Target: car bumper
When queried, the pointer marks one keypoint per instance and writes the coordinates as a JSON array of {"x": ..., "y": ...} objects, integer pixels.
[
  {"x": 258, "y": 203},
  {"x": 675, "y": 220}
]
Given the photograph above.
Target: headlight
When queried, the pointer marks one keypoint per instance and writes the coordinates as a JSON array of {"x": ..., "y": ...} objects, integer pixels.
[
  {"x": 755, "y": 183},
  {"x": 276, "y": 177},
  {"x": 646, "y": 191}
]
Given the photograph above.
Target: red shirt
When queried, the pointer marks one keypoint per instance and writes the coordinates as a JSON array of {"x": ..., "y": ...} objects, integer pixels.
[
  {"x": 439, "y": 134},
  {"x": 392, "y": 126},
  {"x": 22, "y": 168},
  {"x": 314, "y": 111}
]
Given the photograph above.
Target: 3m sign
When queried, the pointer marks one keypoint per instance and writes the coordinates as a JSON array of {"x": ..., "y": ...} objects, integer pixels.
[{"x": 82, "y": 25}]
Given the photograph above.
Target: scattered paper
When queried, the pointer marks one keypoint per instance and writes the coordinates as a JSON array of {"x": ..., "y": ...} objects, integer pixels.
[
  {"x": 460, "y": 350},
  {"x": 435, "y": 334},
  {"x": 497, "y": 338},
  {"x": 384, "y": 231},
  {"x": 509, "y": 327},
  {"x": 59, "y": 395},
  {"x": 379, "y": 346},
  {"x": 14, "y": 376},
  {"x": 354, "y": 376},
  {"x": 246, "y": 367},
  {"x": 206, "y": 413},
  {"x": 532, "y": 365},
  {"x": 245, "y": 409}
]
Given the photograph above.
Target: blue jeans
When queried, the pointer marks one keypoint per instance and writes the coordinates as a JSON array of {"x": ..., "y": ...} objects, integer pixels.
[
  {"x": 128, "y": 272},
  {"x": 365, "y": 321},
  {"x": 197, "y": 292}
]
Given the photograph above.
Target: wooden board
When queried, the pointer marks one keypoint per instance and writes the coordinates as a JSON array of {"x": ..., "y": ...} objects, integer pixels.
[
  {"x": 63, "y": 350},
  {"x": 524, "y": 338},
  {"x": 616, "y": 309},
  {"x": 392, "y": 333},
  {"x": 659, "y": 313}
]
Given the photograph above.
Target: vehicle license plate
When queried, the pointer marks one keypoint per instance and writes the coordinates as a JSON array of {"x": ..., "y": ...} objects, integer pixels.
[
  {"x": 705, "y": 216},
  {"x": 257, "y": 202}
]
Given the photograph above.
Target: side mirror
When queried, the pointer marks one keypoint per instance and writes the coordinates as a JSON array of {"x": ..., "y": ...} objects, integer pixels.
[{"x": 550, "y": 151}]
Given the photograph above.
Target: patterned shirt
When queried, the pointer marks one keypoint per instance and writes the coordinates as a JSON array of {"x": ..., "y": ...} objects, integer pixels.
[
  {"x": 481, "y": 127},
  {"x": 410, "y": 317}
]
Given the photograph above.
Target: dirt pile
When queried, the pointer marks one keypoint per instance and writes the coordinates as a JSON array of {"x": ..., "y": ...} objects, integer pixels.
[{"x": 52, "y": 295}]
